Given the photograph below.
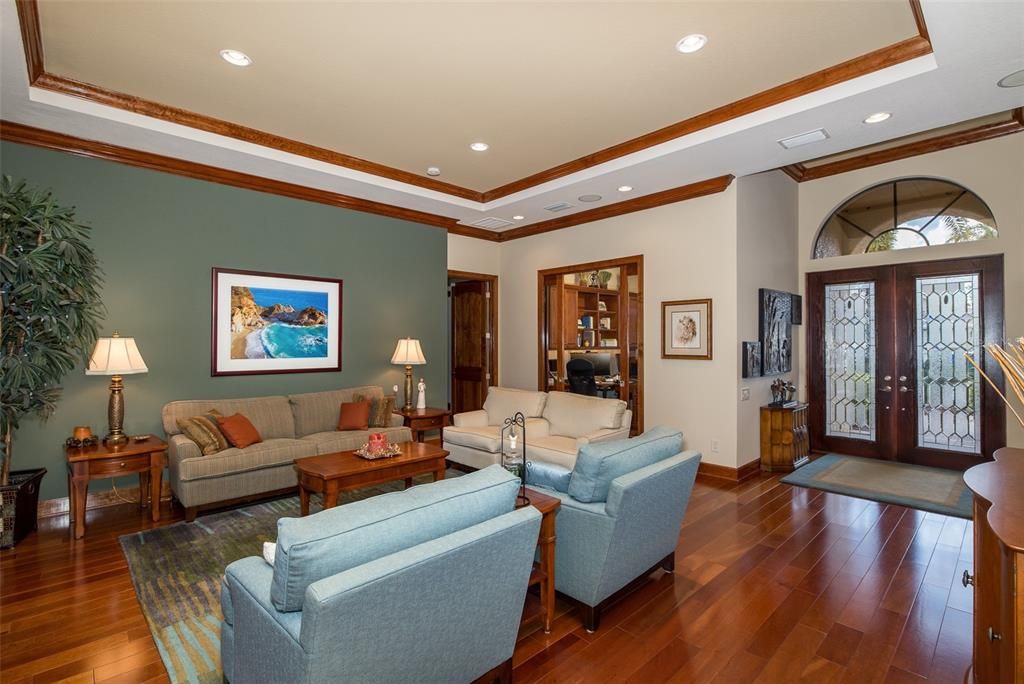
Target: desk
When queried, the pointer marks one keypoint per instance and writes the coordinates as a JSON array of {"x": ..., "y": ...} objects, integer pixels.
[{"x": 146, "y": 458}]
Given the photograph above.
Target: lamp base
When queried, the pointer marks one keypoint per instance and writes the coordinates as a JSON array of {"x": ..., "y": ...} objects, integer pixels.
[
  {"x": 115, "y": 440},
  {"x": 408, "y": 389},
  {"x": 115, "y": 413}
]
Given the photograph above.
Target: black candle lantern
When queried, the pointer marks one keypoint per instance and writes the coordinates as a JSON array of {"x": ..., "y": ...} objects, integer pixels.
[{"x": 513, "y": 451}]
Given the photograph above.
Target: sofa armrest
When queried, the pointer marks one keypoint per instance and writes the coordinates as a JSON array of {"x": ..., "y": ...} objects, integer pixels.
[
  {"x": 179, "y": 447},
  {"x": 606, "y": 435},
  {"x": 397, "y": 420},
  {"x": 250, "y": 578},
  {"x": 470, "y": 419}
]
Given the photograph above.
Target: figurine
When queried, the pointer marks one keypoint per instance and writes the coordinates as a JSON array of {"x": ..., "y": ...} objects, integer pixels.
[
  {"x": 777, "y": 390},
  {"x": 421, "y": 401},
  {"x": 790, "y": 392}
]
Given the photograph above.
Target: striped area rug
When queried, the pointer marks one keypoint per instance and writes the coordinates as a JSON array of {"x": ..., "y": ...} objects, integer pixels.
[{"x": 177, "y": 572}]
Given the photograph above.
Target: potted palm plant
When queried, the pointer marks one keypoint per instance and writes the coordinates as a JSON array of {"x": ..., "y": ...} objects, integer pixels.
[{"x": 50, "y": 310}]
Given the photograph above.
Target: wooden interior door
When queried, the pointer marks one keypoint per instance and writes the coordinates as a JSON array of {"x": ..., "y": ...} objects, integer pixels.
[
  {"x": 887, "y": 373},
  {"x": 472, "y": 338}
]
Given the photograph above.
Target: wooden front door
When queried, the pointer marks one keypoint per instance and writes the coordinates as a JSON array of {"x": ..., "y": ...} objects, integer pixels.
[
  {"x": 472, "y": 339},
  {"x": 887, "y": 373}
]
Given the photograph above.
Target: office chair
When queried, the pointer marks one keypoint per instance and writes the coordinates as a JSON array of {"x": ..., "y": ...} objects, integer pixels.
[{"x": 580, "y": 374}]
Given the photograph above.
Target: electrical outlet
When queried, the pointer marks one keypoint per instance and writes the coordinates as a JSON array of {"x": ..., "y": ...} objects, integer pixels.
[
  {"x": 395, "y": 388},
  {"x": 744, "y": 394},
  {"x": 714, "y": 446}
]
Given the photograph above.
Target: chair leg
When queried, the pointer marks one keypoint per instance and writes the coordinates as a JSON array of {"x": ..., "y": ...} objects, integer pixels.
[
  {"x": 591, "y": 618},
  {"x": 668, "y": 563},
  {"x": 502, "y": 674}
]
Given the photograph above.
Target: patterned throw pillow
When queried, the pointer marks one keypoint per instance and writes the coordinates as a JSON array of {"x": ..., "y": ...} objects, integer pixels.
[
  {"x": 381, "y": 409},
  {"x": 204, "y": 431}
]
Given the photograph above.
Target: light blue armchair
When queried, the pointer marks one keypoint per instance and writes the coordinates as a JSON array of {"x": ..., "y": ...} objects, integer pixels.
[
  {"x": 635, "y": 496},
  {"x": 425, "y": 585}
]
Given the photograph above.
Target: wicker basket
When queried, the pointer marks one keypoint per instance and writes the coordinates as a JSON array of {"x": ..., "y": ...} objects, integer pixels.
[{"x": 18, "y": 502}]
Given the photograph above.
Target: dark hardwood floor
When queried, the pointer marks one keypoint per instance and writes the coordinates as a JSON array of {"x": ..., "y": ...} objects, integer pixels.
[{"x": 772, "y": 584}]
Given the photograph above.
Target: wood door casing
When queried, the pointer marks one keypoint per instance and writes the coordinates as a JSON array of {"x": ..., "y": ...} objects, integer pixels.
[{"x": 473, "y": 346}]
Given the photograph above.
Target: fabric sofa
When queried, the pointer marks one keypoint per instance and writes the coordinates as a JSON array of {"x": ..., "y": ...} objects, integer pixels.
[
  {"x": 557, "y": 425},
  {"x": 620, "y": 516},
  {"x": 423, "y": 585},
  {"x": 292, "y": 426}
]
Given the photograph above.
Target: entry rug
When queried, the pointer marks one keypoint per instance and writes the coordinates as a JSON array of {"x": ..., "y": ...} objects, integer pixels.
[
  {"x": 177, "y": 573},
  {"x": 936, "y": 490}
]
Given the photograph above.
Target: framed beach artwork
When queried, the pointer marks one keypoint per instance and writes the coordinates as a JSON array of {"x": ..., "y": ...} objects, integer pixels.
[
  {"x": 275, "y": 323},
  {"x": 686, "y": 329}
]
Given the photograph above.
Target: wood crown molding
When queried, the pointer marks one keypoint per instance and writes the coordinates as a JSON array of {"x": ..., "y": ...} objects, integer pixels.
[
  {"x": 28, "y": 15},
  {"x": 804, "y": 172}
]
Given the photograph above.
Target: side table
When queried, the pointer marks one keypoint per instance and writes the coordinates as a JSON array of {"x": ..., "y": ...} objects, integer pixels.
[
  {"x": 544, "y": 569},
  {"x": 785, "y": 442},
  {"x": 422, "y": 420},
  {"x": 147, "y": 458}
]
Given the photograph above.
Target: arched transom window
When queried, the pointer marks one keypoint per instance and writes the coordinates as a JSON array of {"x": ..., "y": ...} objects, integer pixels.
[{"x": 903, "y": 214}]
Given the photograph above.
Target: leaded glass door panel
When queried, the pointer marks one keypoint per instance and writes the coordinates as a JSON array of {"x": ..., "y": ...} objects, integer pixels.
[{"x": 887, "y": 375}]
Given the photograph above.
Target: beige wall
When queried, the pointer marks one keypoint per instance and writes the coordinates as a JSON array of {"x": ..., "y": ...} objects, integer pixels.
[
  {"x": 994, "y": 170},
  {"x": 689, "y": 252},
  {"x": 766, "y": 257},
  {"x": 473, "y": 255}
]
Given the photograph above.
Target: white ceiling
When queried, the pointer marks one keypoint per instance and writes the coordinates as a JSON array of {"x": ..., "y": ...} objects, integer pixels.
[{"x": 975, "y": 44}]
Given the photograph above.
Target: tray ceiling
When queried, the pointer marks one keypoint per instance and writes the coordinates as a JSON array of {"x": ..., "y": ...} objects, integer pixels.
[{"x": 411, "y": 85}]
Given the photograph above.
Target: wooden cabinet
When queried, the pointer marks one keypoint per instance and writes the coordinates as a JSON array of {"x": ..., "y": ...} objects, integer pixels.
[
  {"x": 785, "y": 444},
  {"x": 998, "y": 567}
]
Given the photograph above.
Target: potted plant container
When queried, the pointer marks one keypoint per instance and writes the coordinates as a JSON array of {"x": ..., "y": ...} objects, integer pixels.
[{"x": 19, "y": 503}]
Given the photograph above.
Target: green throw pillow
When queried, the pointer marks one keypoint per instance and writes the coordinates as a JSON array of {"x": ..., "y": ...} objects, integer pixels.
[
  {"x": 204, "y": 431},
  {"x": 381, "y": 409}
]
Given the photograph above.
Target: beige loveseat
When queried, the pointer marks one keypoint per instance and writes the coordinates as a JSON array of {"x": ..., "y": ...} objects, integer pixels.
[
  {"x": 293, "y": 426},
  {"x": 557, "y": 425}
]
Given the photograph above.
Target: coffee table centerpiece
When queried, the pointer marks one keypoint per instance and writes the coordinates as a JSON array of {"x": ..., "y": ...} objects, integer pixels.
[{"x": 378, "y": 447}]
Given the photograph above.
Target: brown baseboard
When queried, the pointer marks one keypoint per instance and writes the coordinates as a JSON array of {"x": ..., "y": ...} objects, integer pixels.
[
  {"x": 732, "y": 474},
  {"x": 51, "y": 507}
]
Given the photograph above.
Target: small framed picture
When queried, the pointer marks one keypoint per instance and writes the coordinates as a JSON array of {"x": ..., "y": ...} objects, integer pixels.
[
  {"x": 686, "y": 329},
  {"x": 751, "y": 359}
]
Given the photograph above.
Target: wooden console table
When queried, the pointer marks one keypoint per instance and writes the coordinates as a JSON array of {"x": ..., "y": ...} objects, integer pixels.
[
  {"x": 147, "y": 458},
  {"x": 998, "y": 567},
  {"x": 785, "y": 442}
]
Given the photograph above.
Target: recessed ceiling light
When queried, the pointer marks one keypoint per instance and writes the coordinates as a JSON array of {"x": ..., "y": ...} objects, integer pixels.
[
  {"x": 691, "y": 43},
  {"x": 625, "y": 188},
  {"x": 589, "y": 198},
  {"x": 1014, "y": 80},
  {"x": 433, "y": 171},
  {"x": 877, "y": 117},
  {"x": 236, "y": 57},
  {"x": 479, "y": 146},
  {"x": 518, "y": 217}
]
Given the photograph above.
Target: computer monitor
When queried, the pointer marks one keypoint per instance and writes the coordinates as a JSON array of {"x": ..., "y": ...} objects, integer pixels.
[{"x": 605, "y": 363}]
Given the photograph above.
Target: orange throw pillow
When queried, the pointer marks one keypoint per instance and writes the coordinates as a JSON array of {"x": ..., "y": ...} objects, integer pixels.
[
  {"x": 354, "y": 416},
  {"x": 239, "y": 430}
]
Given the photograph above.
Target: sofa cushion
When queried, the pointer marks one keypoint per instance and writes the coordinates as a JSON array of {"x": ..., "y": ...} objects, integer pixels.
[
  {"x": 483, "y": 438},
  {"x": 598, "y": 464},
  {"x": 271, "y": 416},
  {"x": 550, "y": 475},
  {"x": 330, "y": 442},
  {"x": 502, "y": 403},
  {"x": 318, "y": 411},
  {"x": 554, "y": 449},
  {"x": 354, "y": 415},
  {"x": 332, "y": 541},
  {"x": 575, "y": 415},
  {"x": 266, "y": 454},
  {"x": 239, "y": 430}
]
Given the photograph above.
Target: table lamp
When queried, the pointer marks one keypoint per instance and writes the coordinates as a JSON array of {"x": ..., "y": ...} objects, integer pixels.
[
  {"x": 409, "y": 354},
  {"x": 116, "y": 356}
]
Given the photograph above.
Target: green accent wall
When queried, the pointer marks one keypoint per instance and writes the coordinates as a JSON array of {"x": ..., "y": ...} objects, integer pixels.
[{"x": 158, "y": 235}]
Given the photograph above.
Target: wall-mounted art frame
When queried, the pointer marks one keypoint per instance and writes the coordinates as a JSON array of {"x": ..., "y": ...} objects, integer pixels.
[
  {"x": 776, "y": 331},
  {"x": 751, "y": 359},
  {"x": 796, "y": 313},
  {"x": 275, "y": 323},
  {"x": 686, "y": 329}
]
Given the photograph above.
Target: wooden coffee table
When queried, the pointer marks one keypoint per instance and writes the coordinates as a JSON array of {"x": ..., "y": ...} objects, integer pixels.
[{"x": 329, "y": 474}]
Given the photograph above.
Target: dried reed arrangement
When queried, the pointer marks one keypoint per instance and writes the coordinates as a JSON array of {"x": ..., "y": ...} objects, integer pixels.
[{"x": 1011, "y": 360}]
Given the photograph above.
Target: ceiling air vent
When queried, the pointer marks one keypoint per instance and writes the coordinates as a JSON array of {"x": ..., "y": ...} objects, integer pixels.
[
  {"x": 492, "y": 223},
  {"x": 561, "y": 206},
  {"x": 817, "y": 135}
]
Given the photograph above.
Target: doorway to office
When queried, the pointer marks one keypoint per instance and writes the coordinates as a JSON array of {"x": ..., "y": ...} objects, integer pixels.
[{"x": 590, "y": 324}]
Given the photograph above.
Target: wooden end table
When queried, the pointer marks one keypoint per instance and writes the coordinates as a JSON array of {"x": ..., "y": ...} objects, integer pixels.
[
  {"x": 544, "y": 570},
  {"x": 329, "y": 474},
  {"x": 147, "y": 458},
  {"x": 422, "y": 420}
]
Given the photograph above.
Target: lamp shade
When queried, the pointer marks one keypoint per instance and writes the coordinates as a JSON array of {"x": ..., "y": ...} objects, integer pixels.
[
  {"x": 408, "y": 353},
  {"x": 116, "y": 356}
]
